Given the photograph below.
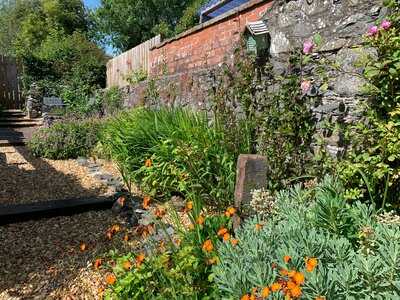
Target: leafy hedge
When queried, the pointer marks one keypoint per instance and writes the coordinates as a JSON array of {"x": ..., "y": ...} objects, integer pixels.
[{"x": 64, "y": 140}]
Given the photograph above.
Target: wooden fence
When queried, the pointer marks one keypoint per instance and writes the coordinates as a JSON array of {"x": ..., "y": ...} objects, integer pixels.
[
  {"x": 10, "y": 95},
  {"x": 132, "y": 60}
]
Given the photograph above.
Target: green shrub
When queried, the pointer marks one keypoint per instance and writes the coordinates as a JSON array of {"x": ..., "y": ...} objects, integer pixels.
[
  {"x": 357, "y": 257},
  {"x": 64, "y": 140},
  {"x": 172, "y": 151}
]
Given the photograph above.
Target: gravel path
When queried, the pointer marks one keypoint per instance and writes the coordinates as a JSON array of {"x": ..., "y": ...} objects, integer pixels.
[{"x": 25, "y": 179}]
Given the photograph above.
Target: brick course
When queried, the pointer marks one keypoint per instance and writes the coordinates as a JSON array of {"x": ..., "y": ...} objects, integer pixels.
[{"x": 206, "y": 45}]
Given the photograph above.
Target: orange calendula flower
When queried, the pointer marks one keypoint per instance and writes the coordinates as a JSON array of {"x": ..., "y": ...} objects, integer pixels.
[
  {"x": 265, "y": 292},
  {"x": 311, "y": 263},
  {"x": 320, "y": 298},
  {"x": 234, "y": 242},
  {"x": 291, "y": 284},
  {"x": 259, "y": 227},
  {"x": 146, "y": 202},
  {"x": 283, "y": 272},
  {"x": 111, "y": 279},
  {"x": 222, "y": 231},
  {"x": 82, "y": 247},
  {"x": 200, "y": 220},
  {"x": 226, "y": 237},
  {"x": 245, "y": 297},
  {"x": 127, "y": 265},
  {"x": 276, "y": 286},
  {"x": 298, "y": 278},
  {"x": 291, "y": 273},
  {"x": 208, "y": 246},
  {"x": 296, "y": 291},
  {"x": 230, "y": 211},
  {"x": 287, "y": 258},
  {"x": 160, "y": 212},
  {"x": 189, "y": 205},
  {"x": 139, "y": 259},
  {"x": 148, "y": 163},
  {"x": 97, "y": 263}
]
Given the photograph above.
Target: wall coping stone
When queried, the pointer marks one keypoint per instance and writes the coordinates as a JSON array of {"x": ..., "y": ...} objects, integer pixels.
[{"x": 200, "y": 27}]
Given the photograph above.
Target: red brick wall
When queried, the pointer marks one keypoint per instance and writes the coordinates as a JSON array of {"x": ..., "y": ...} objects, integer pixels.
[{"x": 206, "y": 47}]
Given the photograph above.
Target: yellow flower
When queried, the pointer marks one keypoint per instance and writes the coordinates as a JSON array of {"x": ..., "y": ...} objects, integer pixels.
[
  {"x": 226, "y": 237},
  {"x": 111, "y": 279},
  {"x": 296, "y": 291},
  {"x": 127, "y": 265},
  {"x": 222, "y": 231},
  {"x": 230, "y": 211},
  {"x": 291, "y": 284},
  {"x": 200, "y": 220},
  {"x": 139, "y": 259},
  {"x": 208, "y": 246},
  {"x": 189, "y": 205},
  {"x": 245, "y": 297},
  {"x": 265, "y": 292},
  {"x": 291, "y": 273}
]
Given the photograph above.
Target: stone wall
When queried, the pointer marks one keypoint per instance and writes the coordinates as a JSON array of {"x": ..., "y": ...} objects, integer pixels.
[{"x": 341, "y": 25}]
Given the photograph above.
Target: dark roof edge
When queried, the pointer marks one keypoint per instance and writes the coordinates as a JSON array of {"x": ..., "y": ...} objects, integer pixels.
[{"x": 204, "y": 25}]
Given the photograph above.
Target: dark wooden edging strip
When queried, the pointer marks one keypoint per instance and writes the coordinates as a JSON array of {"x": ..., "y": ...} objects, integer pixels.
[{"x": 47, "y": 209}]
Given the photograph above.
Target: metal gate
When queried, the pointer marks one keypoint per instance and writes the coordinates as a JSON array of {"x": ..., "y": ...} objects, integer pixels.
[{"x": 10, "y": 95}]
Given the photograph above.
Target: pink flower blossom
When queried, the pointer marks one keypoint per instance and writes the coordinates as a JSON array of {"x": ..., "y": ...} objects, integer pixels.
[
  {"x": 308, "y": 47},
  {"x": 373, "y": 30},
  {"x": 305, "y": 86},
  {"x": 386, "y": 24}
]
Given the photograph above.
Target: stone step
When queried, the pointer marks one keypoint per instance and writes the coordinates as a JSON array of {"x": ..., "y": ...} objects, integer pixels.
[
  {"x": 24, "y": 123},
  {"x": 47, "y": 209},
  {"x": 12, "y": 142},
  {"x": 13, "y": 113}
]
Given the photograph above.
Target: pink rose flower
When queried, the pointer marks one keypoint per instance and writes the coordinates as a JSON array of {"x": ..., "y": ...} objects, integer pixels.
[
  {"x": 308, "y": 47},
  {"x": 305, "y": 86},
  {"x": 373, "y": 30},
  {"x": 386, "y": 24}
]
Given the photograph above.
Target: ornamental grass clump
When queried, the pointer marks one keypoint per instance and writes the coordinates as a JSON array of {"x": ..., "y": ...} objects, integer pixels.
[
  {"x": 316, "y": 246},
  {"x": 172, "y": 151}
]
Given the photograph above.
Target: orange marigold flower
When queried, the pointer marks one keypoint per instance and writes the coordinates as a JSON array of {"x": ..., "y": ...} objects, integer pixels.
[
  {"x": 230, "y": 211},
  {"x": 97, "y": 263},
  {"x": 311, "y": 263},
  {"x": 160, "y": 212},
  {"x": 320, "y": 298},
  {"x": 139, "y": 259},
  {"x": 296, "y": 291},
  {"x": 252, "y": 297},
  {"x": 146, "y": 202},
  {"x": 226, "y": 237},
  {"x": 208, "y": 246},
  {"x": 234, "y": 242},
  {"x": 291, "y": 273},
  {"x": 189, "y": 205},
  {"x": 127, "y": 265},
  {"x": 200, "y": 220},
  {"x": 222, "y": 231},
  {"x": 111, "y": 279},
  {"x": 259, "y": 227},
  {"x": 283, "y": 272},
  {"x": 265, "y": 292},
  {"x": 291, "y": 284},
  {"x": 148, "y": 163},
  {"x": 287, "y": 258},
  {"x": 245, "y": 297},
  {"x": 276, "y": 286},
  {"x": 82, "y": 247},
  {"x": 298, "y": 278},
  {"x": 115, "y": 228}
]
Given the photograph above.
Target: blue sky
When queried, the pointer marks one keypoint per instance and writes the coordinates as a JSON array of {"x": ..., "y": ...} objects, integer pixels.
[{"x": 92, "y": 3}]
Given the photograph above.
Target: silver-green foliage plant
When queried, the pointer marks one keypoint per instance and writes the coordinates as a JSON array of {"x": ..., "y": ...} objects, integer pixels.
[{"x": 358, "y": 258}]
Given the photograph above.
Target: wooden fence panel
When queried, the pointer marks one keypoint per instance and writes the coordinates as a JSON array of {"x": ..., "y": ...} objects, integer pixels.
[
  {"x": 134, "y": 59},
  {"x": 10, "y": 95}
]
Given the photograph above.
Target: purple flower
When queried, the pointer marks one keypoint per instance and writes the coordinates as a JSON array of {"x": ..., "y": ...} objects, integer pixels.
[
  {"x": 386, "y": 24},
  {"x": 308, "y": 47},
  {"x": 305, "y": 86},
  {"x": 373, "y": 30}
]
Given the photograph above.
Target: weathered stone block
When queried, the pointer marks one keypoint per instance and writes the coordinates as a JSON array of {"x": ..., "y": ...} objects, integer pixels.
[{"x": 251, "y": 174}]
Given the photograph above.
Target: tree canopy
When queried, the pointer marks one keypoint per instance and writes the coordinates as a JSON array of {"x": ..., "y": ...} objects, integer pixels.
[{"x": 127, "y": 23}]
